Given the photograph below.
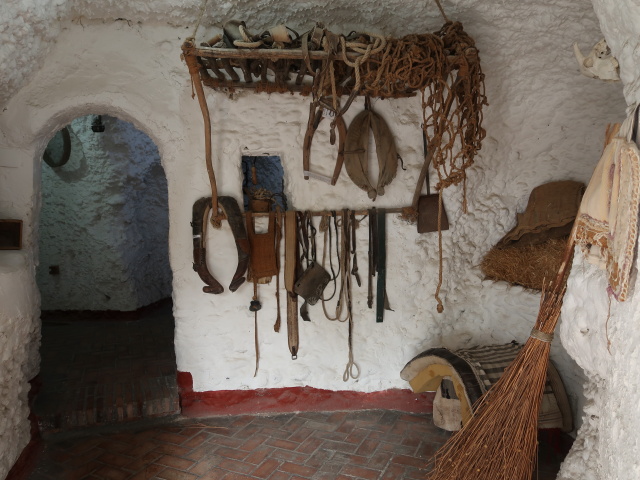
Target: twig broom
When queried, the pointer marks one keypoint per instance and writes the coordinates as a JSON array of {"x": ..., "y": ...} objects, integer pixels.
[{"x": 501, "y": 439}]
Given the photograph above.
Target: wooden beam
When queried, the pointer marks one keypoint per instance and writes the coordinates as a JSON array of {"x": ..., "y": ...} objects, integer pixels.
[{"x": 270, "y": 53}]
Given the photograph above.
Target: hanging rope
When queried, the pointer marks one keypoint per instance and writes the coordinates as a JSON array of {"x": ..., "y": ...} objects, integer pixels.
[
  {"x": 444, "y": 15},
  {"x": 202, "y": 9},
  {"x": 365, "y": 50}
]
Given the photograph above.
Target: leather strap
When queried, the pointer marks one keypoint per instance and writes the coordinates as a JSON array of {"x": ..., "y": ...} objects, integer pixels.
[
  {"x": 381, "y": 292},
  {"x": 290, "y": 249},
  {"x": 276, "y": 326},
  {"x": 304, "y": 244},
  {"x": 352, "y": 370},
  {"x": 373, "y": 240},
  {"x": 354, "y": 269},
  {"x": 263, "y": 249},
  {"x": 292, "y": 325},
  {"x": 200, "y": 215},
  {"x": 290, "y": 260},
  {"x": 254, "y": 307},
  {"x": 194, "y": 70},
  {"x": 325, "y": 227},
  {"x": 303, "y": 237},
  {"x": 231, "y": 209}
]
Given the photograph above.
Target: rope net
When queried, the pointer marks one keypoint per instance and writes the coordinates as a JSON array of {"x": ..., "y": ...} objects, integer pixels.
[{"x": 444, "y": 66}]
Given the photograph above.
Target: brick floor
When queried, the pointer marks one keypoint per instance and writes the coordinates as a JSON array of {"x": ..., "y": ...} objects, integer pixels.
[
  {"x": 96, "y": 372},
  {"x": 321, "y": 446},
  {"x": 100, "y": 373}
]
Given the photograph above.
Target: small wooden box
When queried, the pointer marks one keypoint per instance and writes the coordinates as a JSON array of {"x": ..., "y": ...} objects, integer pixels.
[{"x": 10, "y": 234}]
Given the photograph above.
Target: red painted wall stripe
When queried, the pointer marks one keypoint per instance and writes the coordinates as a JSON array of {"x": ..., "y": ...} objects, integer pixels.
[{"x": 295, "y": 399}]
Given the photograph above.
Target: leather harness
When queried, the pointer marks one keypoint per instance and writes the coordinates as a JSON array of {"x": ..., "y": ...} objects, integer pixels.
[
  {"x": 315, "y": 117},
  {"x": 200, "y": 215},
  {"x": 356, "y": 152},
  {"x": 263, "y": 250}
]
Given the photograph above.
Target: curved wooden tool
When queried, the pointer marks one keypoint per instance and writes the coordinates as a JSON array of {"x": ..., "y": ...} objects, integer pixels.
[
  {"x": 201, "y": 210},
  {"x": 188, "y": 52}
]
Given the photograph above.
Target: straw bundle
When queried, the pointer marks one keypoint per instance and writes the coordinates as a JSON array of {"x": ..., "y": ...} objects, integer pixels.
[
  {"x": 526, "y": 265},
  {"x": 500, "y": 441}
]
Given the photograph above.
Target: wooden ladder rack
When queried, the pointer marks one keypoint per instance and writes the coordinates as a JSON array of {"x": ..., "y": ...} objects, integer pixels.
[{"x": 272, "y": 70}]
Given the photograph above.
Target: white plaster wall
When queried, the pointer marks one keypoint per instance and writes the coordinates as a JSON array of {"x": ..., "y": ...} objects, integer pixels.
[
  {"x": 545, "y": 123},
  {"x": 19, "y": 326},
  {"x": 607, "y": 444},
  {"x": 104, "y": 222}
]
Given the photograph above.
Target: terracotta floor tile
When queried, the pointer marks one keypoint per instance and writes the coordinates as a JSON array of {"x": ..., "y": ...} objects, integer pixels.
[{"x": 373, "y": 444}]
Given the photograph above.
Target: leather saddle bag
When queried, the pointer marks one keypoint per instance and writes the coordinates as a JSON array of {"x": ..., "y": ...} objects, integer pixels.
[{"x": 312, "y": 283}]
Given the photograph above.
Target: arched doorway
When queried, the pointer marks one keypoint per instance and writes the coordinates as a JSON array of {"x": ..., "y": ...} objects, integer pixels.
[{"x": 104, "y": 278}]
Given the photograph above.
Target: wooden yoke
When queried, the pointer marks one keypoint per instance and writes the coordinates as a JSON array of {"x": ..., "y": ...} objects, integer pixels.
[{"x": 188, "y": 53}]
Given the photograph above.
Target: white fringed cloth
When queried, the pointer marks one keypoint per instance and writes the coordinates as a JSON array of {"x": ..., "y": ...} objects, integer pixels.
[{"x": 606, "y": 228}]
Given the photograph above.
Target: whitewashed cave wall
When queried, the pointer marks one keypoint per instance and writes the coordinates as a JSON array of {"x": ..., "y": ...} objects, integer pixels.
[
  {"x": 104, "y": 222},
  {"x": 607, "y": 350},
  {"x": 545, "y": 122}
]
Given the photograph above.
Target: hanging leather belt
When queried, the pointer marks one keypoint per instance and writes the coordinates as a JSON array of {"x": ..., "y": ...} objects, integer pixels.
[
  {"x": 382, "y": 302},
  {"x": 373, "y": 241},
  {"x": 279, "y": 217},
  {"x": 354, "y": 252},
  {"x": 231, "y": 209},
  {"x": 290, "y": 261}
]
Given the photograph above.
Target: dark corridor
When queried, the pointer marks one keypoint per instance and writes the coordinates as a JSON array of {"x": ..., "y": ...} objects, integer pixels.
[{"x": 98, "y": 371}]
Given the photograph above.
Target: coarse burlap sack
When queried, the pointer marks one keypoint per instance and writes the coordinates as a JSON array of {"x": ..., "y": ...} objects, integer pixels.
[
  {"x": 531, "y": 252},
  {"x": 550, "y": 212}
]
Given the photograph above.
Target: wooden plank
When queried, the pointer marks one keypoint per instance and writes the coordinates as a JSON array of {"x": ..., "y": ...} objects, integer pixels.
[
  {"x": 270, "y": 53},
  {"x": 428, "y": 380}
]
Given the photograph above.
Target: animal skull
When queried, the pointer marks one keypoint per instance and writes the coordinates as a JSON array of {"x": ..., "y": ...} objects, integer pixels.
[{"x": 599, "y": 63}]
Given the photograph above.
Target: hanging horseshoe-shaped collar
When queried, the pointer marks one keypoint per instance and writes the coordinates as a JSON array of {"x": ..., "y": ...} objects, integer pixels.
[
  {"x": 231, "y": 209},
  {"x": 356, "y": 155}
]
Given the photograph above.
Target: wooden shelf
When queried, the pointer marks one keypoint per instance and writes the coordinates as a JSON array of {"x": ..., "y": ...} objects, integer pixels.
[{"x": 276, "y": 70}]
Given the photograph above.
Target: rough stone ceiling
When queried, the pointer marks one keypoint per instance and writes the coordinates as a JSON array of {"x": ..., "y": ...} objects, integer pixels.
[{"x": 28, "y": 29}]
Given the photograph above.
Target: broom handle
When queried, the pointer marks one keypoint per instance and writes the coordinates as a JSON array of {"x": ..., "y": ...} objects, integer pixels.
[
  {"x": 551, "y": 300},
  {"x": 567, "y": 260}
]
